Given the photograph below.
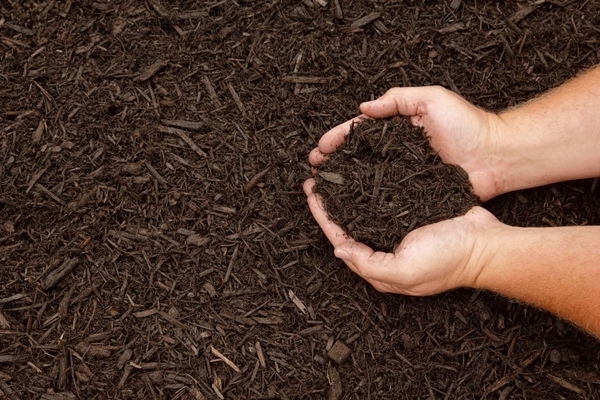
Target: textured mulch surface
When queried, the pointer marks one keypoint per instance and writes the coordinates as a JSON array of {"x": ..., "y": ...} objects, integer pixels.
[
  {"x": 386, "y": 180},
  {"x": 154, "y": 239}
]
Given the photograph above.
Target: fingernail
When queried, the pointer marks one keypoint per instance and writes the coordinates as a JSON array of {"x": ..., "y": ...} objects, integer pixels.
[
  {"x": 366, "y": 103},
  {"x": 342, "y": 255}
]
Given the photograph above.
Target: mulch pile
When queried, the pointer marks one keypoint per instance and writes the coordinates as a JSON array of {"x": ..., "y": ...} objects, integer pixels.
[
  {"x": 155, "y": 242},
  {"x": 386, "y": 180}
]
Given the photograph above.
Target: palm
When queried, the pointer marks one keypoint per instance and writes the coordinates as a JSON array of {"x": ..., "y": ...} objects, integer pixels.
[{"x": 434, "y": 258}]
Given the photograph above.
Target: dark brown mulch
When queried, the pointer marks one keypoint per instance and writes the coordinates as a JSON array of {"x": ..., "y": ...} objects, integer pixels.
[
  {"x": 386, "y": 180},
  {"x": 154, "y": 239}
]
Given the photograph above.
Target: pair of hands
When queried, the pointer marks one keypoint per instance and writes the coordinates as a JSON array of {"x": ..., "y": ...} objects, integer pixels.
[{"x": 441, "y": 256}]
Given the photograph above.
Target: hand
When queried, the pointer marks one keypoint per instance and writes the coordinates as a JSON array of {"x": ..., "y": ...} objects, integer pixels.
[
  {"x": 430, "y": 260},
  {"x": 436, "y": 257},
  {"x": 463, "y": 134}
]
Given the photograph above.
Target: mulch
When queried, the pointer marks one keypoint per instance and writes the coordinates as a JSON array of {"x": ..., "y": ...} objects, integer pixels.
[
  {"x": 386, "y": 180},
  {"x": 154, "y": 239}
]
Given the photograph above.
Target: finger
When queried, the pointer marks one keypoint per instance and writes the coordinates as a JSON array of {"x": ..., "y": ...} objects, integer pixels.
[
  {"x": 336, "y": 137},
  {"x": 334, "y": 233},
  {"x": 407, "y": 101},
  {"x": 370, "y": 265},
  {"x": 316, "y": 158}
]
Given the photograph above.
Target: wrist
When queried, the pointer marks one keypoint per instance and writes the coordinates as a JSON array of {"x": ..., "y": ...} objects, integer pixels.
[
  {"x": 495, "y": 160},
  {"x": 489, "y": 246}
]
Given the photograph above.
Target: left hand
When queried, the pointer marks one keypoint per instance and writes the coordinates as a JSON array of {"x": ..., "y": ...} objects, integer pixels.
[{"x": 430, "y": 260}]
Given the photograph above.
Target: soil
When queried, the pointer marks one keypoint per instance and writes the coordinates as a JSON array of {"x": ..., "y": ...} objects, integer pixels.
[
  {"x": 154, "y": 239},
  {"x": 386, "y": 180}
]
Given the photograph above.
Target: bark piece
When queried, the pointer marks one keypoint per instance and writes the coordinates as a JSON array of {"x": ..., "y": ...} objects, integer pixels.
[{"x": 339, "y": 352}]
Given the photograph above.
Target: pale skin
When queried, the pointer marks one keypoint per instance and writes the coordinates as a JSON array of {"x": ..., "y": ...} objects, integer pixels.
[{"x": 553, "y": 138}]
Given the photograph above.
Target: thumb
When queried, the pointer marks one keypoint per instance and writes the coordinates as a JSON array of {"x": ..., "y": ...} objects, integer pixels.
[
  {"x": 406, "y": 101},
  {"x": 360, "y": 258}
]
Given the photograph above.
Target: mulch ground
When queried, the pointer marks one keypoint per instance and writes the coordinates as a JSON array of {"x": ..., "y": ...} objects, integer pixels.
[{"x": 154, "y": 239}]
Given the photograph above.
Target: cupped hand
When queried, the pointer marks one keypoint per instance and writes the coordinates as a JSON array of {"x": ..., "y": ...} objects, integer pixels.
[
  {"x": 460, "y": 132},
  {"x": 430, "y": 260},
  {"x": 440, "y": 256}
]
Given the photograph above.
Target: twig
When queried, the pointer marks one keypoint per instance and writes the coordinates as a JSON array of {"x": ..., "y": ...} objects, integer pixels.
[
  {"x": 155, "y": 173},
  {"x": 48, "y": 193},
  {"x": 55, "y": 276},
  {"x": 151, "y": 70},
  {"x": 211, "y": 91},
  {"x": 237, "y": 100},
  {"x": 183, "y": 124},
  {"x": 256, "y": 178},
  {"x": 231, "y": 261},
  {"x": 182, "y": 134},
  {"x": 225, "y": 359}
]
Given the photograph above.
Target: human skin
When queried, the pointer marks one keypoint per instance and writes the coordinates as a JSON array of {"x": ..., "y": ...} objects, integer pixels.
[{"x": 553, "y": 138}]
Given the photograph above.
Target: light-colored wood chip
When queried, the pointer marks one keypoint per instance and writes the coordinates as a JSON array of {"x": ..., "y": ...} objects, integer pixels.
[{"x": 225, "y": 359}]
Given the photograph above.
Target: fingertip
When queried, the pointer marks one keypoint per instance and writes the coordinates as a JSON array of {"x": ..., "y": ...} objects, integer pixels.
[
  {"x": 354, "y": 250},
  {"x": 336, "y": 137},
  {"x": 342, "y": 255},
  {"x": 316, "y": 157},
  {"x": 308, "y": 186},
  {"x": 366, "y": 106}
]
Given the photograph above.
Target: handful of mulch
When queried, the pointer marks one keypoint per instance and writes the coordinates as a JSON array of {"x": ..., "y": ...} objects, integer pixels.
[{"x": 386, "y": 181}]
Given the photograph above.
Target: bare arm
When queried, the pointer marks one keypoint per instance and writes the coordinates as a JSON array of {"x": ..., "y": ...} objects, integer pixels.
[
  {"x": 557, "y": 269},
  {"x": 553, "y": 138}
]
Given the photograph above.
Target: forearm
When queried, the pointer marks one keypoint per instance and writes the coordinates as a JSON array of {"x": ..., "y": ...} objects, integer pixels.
[
  {"x": 553, "y": 138},
  {"x": 557, "y": 269}
]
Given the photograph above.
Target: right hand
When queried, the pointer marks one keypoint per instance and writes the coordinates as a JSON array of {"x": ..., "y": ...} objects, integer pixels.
[{"x": 460, "y": 132}]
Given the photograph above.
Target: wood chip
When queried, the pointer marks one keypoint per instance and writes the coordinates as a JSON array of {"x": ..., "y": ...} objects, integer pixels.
[
  {"x": 305, "y": 79},
  {"x": 124, "y": 358},
  {"x": 18, "y": 28},
  {"x": 225, "y": 210},
  {"x": 145, "y": 313},
  {"x": 183, "y": 135},
  {"x": 225, "y": 359},
  {"x": 36, "y": 137},
  {"x": 14, "y": 297},
  {"x": 231, "y": 264},
  {"x": 211, "y": 91},
  {"x": 190, "y": 15},
  {"x": 256, "y": 178},
  {"x": 311, "y": 330},
  {"x": 297, "y": 302},
  {"x": 169, "y": 318},
  {"x": 459, "y": 26},
  {"x": 4, "y": 324},
  {"x": 151, "y": 70},
  {"x": 332, "y": 177},
  {"x": 210, "y": 289},
  {"x": 335, "y": 388},
  {"x": 237, "y": 100},
  {"x": 269, "y": 320},
  {"x": 183, "y": 124},
  {"x": 261, "y": 356},
  {"x": 522, "y": 13},
  {"x": 58, "y": 396},
  {"x": 156, "y": 175},
  {"x": 339, "y": 352},
  {"x": 35, "y": 177},
  {"x": 48, "y": 193},
  {"x": 567, "y": 385},
  {"x": 94, "y": 350},
  {"x": 366, "y": 20},
  {"x": 56, "y": 275},
  {"x": 337, "y": 9}
]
